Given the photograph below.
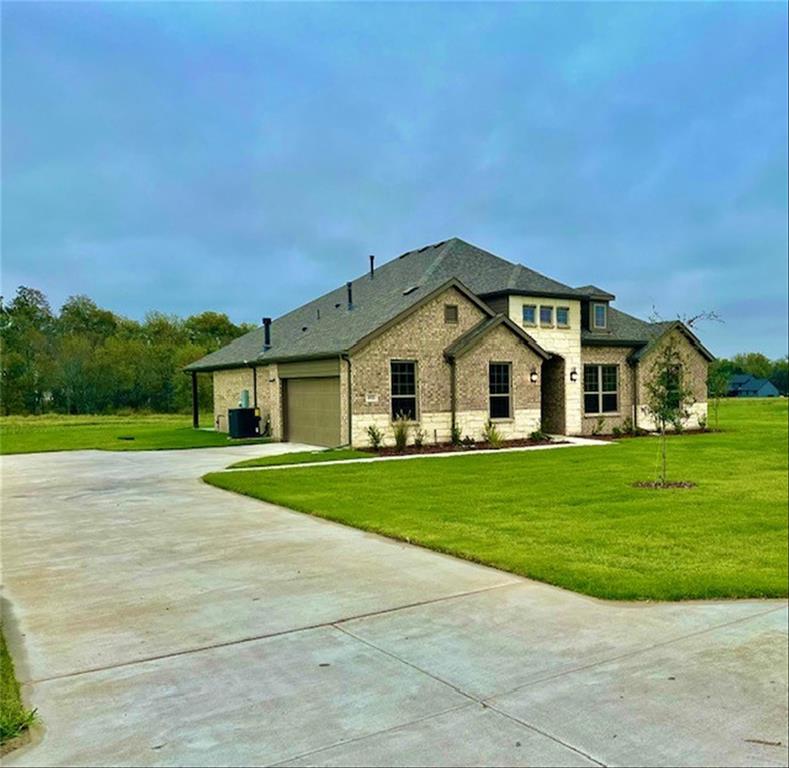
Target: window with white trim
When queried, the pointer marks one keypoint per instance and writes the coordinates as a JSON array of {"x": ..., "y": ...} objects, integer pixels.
[
  {"x": 601, "y": 389},
  {"x": 599, "y": 316}
]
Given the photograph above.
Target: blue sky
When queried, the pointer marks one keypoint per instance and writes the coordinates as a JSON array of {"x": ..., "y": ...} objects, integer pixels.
[{"x": 247, "y": 157}]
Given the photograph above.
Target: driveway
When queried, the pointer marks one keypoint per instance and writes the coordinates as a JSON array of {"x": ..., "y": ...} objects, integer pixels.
[{"x": 155, "y": 620}]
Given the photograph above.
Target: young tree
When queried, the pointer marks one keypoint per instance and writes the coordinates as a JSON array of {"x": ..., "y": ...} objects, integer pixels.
[
  {"x": 717, "y": 387},
  {"x": 668, "y": 398}
]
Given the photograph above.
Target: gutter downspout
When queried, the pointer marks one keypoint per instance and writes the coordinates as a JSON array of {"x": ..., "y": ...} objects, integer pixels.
[
  {"x": 350, "y": 401},
  {"x": 635, "y": 396},
  {"x": 452, "y": 391}
]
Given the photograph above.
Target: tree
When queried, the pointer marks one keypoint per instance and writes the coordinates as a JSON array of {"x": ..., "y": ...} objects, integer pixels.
[
  {"x": 755, "y": 363},
  {"x": 668, "y": 399},
  {"x": 780, "y": 375},
  {"x": 717, "y": 387}
]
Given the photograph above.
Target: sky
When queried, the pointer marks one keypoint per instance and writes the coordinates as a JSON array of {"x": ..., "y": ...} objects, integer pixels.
[{"x": 246, "y": 158}]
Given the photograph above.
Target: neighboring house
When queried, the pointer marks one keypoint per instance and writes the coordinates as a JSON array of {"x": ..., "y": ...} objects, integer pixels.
[
  {"x": 746, "y": 385},
  {"x": 448, "y": 334}
]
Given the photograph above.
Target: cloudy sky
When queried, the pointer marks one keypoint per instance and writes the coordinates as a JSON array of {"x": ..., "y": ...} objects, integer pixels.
[{"x": 246, "y": 157}]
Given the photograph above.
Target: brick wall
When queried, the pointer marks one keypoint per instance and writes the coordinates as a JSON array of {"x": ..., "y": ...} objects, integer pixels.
[
  {"x": 227, "y": 392},
  {"x": 695, "y": 373},
  {"x": 423, "y": 337},
  {"x": 610, "y": 356}
]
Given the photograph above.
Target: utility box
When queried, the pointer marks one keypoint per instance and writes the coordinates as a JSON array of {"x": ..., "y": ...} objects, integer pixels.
[{"x": 244, "y": 422}]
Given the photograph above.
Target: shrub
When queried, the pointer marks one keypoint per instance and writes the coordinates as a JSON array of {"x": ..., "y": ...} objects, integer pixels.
[
  {"x": 538, "y": 435},
  {"x": 375, "y": 435},
  {"x": 491, "y": 435},
  {"x": 455, "y": 435},
  {"x": 468, "y": 442},
  {"x": 628, "y": 427},
  {"x": 400, "y": 428},
  {"x": 599, "y": 425},
  {"x": 703, "y": 422},
  {"x": 419, "y": 437},
  {"x": 616, "y": 432}
]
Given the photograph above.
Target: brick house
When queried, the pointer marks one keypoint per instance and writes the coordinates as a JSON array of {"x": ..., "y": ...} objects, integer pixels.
[{"x": 448, "y": 334}]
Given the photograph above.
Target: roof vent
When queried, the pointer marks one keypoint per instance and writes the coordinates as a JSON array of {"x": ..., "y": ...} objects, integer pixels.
[
  {"x": 410, "y": 290},
  {"x": 303, "y": 328},
  {"x": 349, "y": 286},
  {"x": 266, "y": 334},
  {"x": 372, "y": 266}
]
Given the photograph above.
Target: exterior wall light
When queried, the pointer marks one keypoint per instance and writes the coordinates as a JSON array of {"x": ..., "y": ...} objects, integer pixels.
[
  {"x": 573, "y": 375},
  {"x": 533, "y": 376}
]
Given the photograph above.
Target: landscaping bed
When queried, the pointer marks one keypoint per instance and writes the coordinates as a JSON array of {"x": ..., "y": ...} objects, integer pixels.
[{"x": 482, "y": 445}]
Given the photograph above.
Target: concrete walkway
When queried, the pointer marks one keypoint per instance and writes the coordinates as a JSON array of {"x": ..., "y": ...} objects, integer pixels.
[
  {"x": 566, "y": 442},
  {"x": 156, "y": 620}
]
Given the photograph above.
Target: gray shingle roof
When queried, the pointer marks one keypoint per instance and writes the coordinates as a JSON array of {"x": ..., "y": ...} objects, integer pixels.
[
  {"x": 326, "y": 327},
  {"x": 624, "y": 330},
  {"x": 474, "y": 335},
  {"x": 301, "y": 333},
  {"x": 593, "y": 292}
]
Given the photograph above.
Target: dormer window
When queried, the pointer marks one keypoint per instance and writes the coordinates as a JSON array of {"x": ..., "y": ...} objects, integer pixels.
[{"x": 599, "y": 316}]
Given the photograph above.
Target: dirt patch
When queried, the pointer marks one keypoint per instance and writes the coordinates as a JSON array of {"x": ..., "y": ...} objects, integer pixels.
[
  {"x": 669, "y": 484},
  {"x": 15, "y": 743},
  {"x": 469, "y": 448}
]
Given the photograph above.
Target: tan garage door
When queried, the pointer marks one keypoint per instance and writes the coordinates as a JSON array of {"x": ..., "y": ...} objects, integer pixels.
[{"x": 312, "y": 411}]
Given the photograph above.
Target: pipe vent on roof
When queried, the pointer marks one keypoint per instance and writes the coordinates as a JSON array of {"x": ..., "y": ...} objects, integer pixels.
[{"x": 410, "y": 290}]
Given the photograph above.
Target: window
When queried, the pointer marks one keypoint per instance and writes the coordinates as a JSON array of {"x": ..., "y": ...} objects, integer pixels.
[
  {"x": 600, "y": 315},
  {"x": 499, "y": 389},
  {"x": 529, "y": 314},
  {"x": 601, "y": 389},
  {"x": 450, "y": 313},
  {"x": 546, "y": 315},
  {"x": 563, "y": 317},
  {"x": 403, "y": 389}
]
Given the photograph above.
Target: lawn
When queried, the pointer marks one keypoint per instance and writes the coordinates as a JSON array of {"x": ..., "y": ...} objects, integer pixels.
[
  {"x": 14, "y": 718},
  {"x": 571, "y": 517},
  {"x": 51, "y": 432},
  {"x": 304, "y": 457}
]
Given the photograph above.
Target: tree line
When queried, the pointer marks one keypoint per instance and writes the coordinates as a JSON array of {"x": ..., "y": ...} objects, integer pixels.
[
  {"x": 85, "y": 359},
  {"x": 754, "y": 363}
]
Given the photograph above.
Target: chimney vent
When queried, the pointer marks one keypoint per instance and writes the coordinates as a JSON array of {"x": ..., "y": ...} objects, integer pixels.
[
  {"x": 372, "y": 266},
  {"x": 266, "y": 334},
  {"x": 349, "y": 286}
]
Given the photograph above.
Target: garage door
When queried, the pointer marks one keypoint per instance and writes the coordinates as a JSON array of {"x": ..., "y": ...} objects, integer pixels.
[{"x": 312, "y": 411}]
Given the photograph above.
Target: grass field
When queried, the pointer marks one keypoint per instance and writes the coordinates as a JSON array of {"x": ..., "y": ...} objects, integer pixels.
[
  {"x": 572, "y": 518},
  {"x": 30, "y": 434},
  {"x": 14, "y": 718}
]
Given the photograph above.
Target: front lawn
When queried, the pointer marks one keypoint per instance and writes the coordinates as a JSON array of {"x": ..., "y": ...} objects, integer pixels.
[
  {"x": 571, "y": 517},
  {"x": 52, "y": 432}
]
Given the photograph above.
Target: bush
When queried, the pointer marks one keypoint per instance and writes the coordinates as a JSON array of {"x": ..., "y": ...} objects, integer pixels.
[
  {"x": 375, "y": 435},
  {"x": 455, "y": 435},
  {"x": 539, "y": 436},
  {"x": 468, "y": 441},
  {"x": 628, "y": 427},
  {"x": 703, "y": 422},
  {"x": 491, "y": 435},
  {"x": 419, "y": 438},
  {"x": 599, "y": 425},
  {"x": 400, "y": 428},
  {"x": 616, "y": 432}
]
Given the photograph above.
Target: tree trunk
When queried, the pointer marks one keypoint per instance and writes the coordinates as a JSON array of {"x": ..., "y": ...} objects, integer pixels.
[{"x": 663, "y": 447}]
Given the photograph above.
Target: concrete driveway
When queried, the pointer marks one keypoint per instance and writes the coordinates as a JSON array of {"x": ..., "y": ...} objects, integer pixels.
[{"x": 155, "y": 620}]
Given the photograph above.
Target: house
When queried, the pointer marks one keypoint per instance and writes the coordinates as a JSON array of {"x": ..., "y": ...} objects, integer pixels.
[
  {"x": 448, "y": 335},
  {"x": 746, "y": 385}
]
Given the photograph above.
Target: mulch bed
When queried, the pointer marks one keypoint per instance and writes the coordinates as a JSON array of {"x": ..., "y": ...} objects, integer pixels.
[
  {"x": 670, "y": 484},
  {"x": 451, "y": 448},
  {"x": 630, "y": 435}
]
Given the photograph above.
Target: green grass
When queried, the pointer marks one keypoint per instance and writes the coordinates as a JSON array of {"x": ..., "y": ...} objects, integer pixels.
[
  {"x": 30, "y": 434},
  {"x": 304, "y": 457},
  {"x": 14, "y": 718},
  {"x": 571, "y": 517}
]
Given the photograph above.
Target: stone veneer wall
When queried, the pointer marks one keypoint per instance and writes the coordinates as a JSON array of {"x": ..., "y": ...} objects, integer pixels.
[
  {"x": 611, "y": 356},
  {"x": 696, "y": 372},
  {"x": 562, "y": 341}
]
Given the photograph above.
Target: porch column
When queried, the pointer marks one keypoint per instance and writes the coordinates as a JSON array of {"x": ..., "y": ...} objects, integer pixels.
[{"x": 195, "y": 402}]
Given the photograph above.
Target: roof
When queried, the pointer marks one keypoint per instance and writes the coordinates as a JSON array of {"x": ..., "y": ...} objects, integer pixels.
[
  {"x": 326, "y": 327},
  {"x": 745, "y": 382},
  {"x": 467, "y": 341},
  {"x": 593, "y": 292}
]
